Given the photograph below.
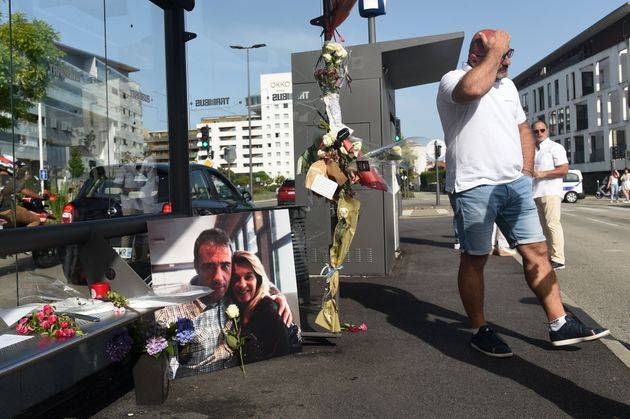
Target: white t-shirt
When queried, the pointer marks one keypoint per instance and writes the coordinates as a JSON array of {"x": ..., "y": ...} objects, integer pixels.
[
  {"x": 483, "y": 143},
  {"x": 549, "y": 155}
]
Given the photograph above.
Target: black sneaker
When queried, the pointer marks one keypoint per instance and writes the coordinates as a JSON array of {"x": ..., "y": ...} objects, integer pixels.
[
  {"x": 487, "y": 342},
  {"x": 575, "y": 332},
  {"x": 557, "y": 265}
]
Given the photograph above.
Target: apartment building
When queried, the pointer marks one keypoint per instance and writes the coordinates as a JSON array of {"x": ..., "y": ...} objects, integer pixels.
[{"x": 581, "y": 91}]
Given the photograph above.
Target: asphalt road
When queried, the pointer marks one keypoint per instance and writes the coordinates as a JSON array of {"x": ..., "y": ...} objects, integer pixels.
[{"x": 597, "y": 276}]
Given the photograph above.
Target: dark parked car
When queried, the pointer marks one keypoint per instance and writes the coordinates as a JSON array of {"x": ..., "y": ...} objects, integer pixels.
[
  {"x": 116, "y": 191},
  {"x": 286, "y": 193}
]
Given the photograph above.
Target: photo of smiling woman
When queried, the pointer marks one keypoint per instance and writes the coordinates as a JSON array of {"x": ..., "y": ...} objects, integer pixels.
[{"x": 249, "y": 290}]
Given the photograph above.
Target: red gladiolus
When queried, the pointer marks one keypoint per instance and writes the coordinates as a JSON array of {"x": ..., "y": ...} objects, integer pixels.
[
  {"x": 40, "y": 315},
  {"x": 48, "y": 309},
  {"x": 59, "y": 333}
]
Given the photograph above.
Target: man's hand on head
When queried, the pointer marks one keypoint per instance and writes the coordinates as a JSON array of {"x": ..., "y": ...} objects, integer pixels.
[
  {"x": 499, "y": 43},
  {"x": 283, "y": 308}
]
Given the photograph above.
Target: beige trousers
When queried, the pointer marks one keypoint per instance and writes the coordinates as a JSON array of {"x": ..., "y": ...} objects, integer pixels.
[{"x": 549, "y": 208}]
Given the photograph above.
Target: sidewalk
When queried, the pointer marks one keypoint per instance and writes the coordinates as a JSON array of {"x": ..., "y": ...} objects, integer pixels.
[
  {"x": 414, "y": 360},
  {"x": 423, "y": 205}
]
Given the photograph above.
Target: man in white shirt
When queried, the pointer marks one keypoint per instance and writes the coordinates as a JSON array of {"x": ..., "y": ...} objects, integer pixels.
[
  {"x": 550, "y": 166},
  {"x": 490, "y": 159}
]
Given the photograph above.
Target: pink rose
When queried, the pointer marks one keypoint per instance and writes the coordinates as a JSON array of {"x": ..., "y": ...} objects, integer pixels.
[
  {"x": 363, "y": 327},
  {"x": 63, "y": 325}
]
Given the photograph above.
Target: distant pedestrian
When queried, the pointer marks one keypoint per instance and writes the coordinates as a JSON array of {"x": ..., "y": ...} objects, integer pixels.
[
  {"x": 550, "y": 166},
  {"x": 613, "y": 185},
  {"x": 625, "y": 185},
  {"x": 490, "y": 156}
]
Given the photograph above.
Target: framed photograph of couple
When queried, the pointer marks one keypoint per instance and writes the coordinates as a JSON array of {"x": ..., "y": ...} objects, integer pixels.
[{"x": 246, "y": 259}]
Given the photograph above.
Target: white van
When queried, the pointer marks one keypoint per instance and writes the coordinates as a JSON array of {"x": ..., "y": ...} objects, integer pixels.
[{"x": 572, "y": 186}]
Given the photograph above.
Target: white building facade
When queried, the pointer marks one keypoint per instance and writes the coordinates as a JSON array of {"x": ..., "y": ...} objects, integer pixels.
[
  {"x": 271, "y": 135},
  {"x": 581, "y": 92}
]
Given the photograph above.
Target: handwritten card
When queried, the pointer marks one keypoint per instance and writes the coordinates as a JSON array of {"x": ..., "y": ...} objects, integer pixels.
[{"x": 324, "y": 186}]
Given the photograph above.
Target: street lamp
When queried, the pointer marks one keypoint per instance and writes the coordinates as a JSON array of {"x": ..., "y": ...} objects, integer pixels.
[{"x": 249, "y": 113}]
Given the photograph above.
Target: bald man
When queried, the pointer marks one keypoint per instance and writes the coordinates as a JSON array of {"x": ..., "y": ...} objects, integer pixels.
[{"x": 490, "y": 158}]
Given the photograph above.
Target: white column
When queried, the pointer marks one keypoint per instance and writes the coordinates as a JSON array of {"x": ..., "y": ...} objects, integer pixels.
[{"x": 40, "y": 145}]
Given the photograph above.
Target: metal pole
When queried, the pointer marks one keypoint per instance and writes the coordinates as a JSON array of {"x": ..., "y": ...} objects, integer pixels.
[
  {"x": 41, "y": 146},
  {"x": 249, "y": 122},
  {"x": 372, "y": 29},
  {"x": 437, "y": 175}
]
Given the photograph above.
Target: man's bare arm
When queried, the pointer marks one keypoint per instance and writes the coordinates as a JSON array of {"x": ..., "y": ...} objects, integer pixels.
[
  {"x": 558, "y": 171},
  {"x": 528, "y": 146},
  {"x": 478, "y": 81}
]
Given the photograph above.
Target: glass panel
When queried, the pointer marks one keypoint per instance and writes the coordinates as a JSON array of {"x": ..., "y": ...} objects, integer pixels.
[
  {"x": 219, "y": 84},
  {"x": 225, "y": 192},
  {"x": 198, "y": 186}
]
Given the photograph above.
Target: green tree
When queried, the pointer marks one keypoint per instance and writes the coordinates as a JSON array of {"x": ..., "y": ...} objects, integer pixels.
[
  {"x": 279, "y": 180},
  {"x": 75, "y": 164},
  {"x": 34, "y": 53}
]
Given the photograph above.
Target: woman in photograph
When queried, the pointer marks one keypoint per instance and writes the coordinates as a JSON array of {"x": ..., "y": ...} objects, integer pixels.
[
  {"x": 267, "y": 334},
  {"x": 613, "y": 185}
]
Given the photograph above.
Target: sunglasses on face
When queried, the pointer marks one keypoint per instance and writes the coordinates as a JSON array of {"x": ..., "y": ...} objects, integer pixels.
[
  {"x": 539, "y": 131},
  {"x": 506, "y": 55}
]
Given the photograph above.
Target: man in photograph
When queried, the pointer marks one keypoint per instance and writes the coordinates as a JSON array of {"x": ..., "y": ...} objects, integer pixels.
[{"x": 208, "y": 351}]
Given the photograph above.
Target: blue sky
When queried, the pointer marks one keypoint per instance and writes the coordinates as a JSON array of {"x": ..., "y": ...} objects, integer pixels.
[{"x": 135, "y": 36}]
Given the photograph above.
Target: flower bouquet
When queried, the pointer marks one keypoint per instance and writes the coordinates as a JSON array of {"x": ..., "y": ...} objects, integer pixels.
[
  {"x": 47, "y": 322},
  {"x": 331, "y": 71}
]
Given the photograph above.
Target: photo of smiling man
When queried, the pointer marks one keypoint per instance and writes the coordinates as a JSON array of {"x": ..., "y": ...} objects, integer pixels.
[{"x": 258, "y": 277}]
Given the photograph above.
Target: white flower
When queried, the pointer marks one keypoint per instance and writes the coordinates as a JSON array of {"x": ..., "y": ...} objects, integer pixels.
[
  {"x": 397, "y": 150},
  {"x": 328, "y": 139},
  {"x": 327, "y": 57},
  {"x": 357, "y": 146},
  {"x": 330, "y": 46},
  {"x": 343, "y": 212},
  {"x": 342, "y": 54},
  {"x": 232, "y": 311},
  {"x": 321, "y": 154},
  {"x": 343, "y": 150}
]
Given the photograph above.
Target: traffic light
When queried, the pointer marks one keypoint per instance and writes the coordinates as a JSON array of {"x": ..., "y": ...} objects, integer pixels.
[
  {"x": 205, "y": 138},
  {"x": 398, "y": 136}
]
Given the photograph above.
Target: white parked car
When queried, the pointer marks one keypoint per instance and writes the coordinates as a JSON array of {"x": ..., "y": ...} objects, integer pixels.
[{"x": 572, "y": 186}]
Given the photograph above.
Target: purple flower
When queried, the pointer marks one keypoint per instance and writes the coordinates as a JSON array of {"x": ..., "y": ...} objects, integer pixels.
[
  {"x": 184, "y": 336},
  {"x": 155, "y": 345},
  {"x": 119, "y": 346}
]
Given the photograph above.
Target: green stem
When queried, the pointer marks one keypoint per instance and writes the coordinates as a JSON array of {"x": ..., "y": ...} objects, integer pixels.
[{"x": 240, "y": 352}]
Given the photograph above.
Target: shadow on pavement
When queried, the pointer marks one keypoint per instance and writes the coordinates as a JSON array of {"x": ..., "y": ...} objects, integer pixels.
[
  {"x": 446, "y": 331},
  {"x": 426, "y": 242}
]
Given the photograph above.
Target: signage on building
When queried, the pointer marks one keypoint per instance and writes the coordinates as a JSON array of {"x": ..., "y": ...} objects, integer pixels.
[
  {"x": 213, "y": 101},
  {"x": 280, "y": 96},
  {"x": 140, "y": 96}
]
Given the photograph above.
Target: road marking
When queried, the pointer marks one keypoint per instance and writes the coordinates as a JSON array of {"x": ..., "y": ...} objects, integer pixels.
[
  {"x": 407, "y": 213},
  {"x": 603, "y": 222},
  {"x": 613, "y": 345},
  {"x": 569, "y": 214},
  {"x": 441, "y": 211},
  {"x": 592, "y": 209}
]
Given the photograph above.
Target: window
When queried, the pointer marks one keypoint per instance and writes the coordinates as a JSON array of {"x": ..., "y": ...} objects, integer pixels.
[
  {"x": 624, "y": 103},
  {"x": 286, "y": 125},
  {"x": 614, "y": 107},
  {"x": 524, "y": 103},
  {"x": 549, "y": 95},
  {"x": 541, "y": 98},
  {"x": 561, "y": 121},
  {"x": 623, "y": 66},
  {"x": 567, "y": 147},
  {"x": 588, "y": 86},
  {"x": 597, "y": 147},
  {"x": 277, "y": 154},
  {"x": 278, "y": 144},
  {"x": 286, "y": 153},
  {"x": 535, "y": 100},
  {"x": 277, "y": 135},
  {"x": 579, "y": 149},
  {"x": 581, "y": 116},
  {"x": 552, "y": 124},
  {"x": 286, "y": 115},
  {"x": 619, "y": 139},
  {"x": 277, "y": 126},
  {"x": 286, "y": 144},
  {"x": 285, "y": 105},
  {"x": 276, "y": 116},
  {"x": 598, "y": 109},
  {"x": 572, "y": 85},
  {"x": 198, "y": 186},
  {"x": 602, "y": 69},
  {"x": 567, "y": 118},
  {"x": 571, "y": 177},
  {"x": 556, "y": 91},
  {"x": 567, "y": 86}
]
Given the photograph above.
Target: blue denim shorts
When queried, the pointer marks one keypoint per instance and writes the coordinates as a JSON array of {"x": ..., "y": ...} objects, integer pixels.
[{"x": 511, "y": 206}]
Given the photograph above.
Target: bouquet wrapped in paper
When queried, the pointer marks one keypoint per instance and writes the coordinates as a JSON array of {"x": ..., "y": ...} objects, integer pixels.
[{"x": 331, "y": 70}]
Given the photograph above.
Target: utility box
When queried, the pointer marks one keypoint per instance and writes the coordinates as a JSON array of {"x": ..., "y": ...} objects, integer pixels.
[{"x": 368, "y": 107}]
